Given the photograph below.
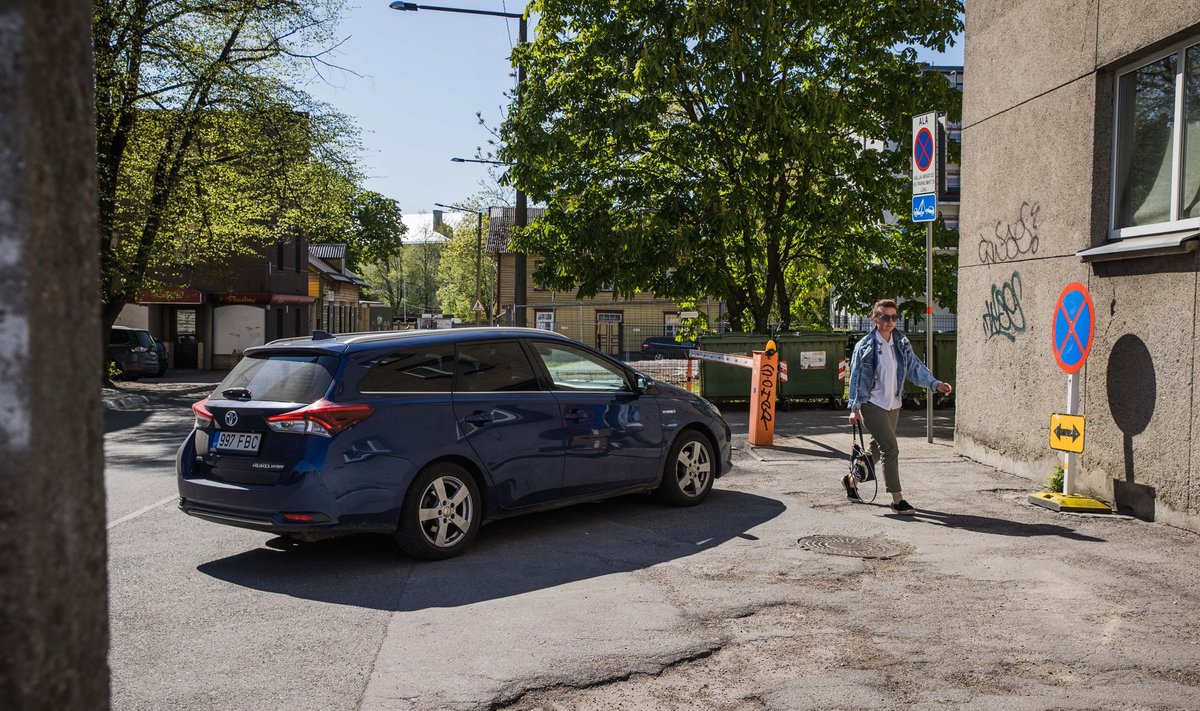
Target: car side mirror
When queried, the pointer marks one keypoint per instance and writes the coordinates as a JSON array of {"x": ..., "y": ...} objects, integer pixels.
[{"x": 641, "y": 384}]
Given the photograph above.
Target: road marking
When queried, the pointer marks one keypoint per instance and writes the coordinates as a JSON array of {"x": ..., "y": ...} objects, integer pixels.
[{"x": 142, "y": 510}]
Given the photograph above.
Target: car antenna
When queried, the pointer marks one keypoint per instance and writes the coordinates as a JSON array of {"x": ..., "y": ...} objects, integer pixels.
[{"x": 319, "y": 335}]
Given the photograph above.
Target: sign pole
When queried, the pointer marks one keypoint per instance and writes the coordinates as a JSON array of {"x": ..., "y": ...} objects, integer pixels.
[
  {"x": 1070, "y": 459},
  {"x": 1073, "y": 326},
  {"x": 929, "y": 326}
]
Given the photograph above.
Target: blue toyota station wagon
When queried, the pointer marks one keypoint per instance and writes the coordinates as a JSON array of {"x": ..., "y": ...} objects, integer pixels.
[{"x": 427, "y": 434}]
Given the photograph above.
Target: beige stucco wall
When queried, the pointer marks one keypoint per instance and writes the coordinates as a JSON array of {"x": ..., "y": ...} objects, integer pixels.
[{"x": 1035, "y": 190}]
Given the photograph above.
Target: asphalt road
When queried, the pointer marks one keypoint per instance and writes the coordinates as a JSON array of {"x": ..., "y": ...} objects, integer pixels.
[{"x": 989, "y": 602}]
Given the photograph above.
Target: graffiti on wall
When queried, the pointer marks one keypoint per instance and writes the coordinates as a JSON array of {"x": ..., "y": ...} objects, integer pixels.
[
  {"x": 1003, "y": 315},
  {"x": 1011, "y": 240}
]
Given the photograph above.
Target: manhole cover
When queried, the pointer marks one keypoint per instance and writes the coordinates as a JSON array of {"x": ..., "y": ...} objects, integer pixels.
[{"x": 853, "y": 546}]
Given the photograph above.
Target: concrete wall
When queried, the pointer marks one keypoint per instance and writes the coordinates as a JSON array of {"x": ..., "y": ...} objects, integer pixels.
[
  {"x": 236, "y": 328},
  {"x": 1037, "y": 138}
]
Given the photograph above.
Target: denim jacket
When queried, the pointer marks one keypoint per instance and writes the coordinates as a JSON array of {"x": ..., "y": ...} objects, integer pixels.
[{"x": 866, "y": 358}]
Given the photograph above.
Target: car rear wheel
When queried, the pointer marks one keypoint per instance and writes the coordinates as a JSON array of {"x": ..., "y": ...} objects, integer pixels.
[
  {"x": 441, "y": 513},
  {"x": 690, "y": 470}
]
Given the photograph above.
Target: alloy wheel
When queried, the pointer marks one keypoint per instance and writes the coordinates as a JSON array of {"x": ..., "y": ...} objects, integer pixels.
[
  {"x": 693, "y": 467},
  {"x": 446, "y": 511}
]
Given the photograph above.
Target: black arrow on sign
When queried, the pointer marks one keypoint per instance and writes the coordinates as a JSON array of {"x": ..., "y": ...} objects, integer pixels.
[{"x": 1072, "y": 433}]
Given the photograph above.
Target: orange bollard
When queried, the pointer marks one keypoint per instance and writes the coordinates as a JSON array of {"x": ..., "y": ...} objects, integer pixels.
[{"x": 762, "y": 396}]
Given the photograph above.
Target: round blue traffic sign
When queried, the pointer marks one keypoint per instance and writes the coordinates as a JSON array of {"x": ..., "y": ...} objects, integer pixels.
[
  {"x": 1074, "y": 324},
  {"x": 923, "y": 149}
]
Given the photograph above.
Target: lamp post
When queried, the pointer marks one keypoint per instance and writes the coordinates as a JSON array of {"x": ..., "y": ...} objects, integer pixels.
[
  {"x": 521, "y": 216},
  {"x": 478, "y": 254}
]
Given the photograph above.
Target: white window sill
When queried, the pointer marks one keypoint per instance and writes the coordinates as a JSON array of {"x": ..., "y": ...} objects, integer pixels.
[{"x": 1148, "y": 246}]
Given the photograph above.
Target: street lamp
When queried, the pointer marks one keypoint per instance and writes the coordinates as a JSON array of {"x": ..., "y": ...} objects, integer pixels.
[
  {"x": 521, "y": 216},
  {"x": 478, "y": 160},
  {"x": 478, "y": 306}
]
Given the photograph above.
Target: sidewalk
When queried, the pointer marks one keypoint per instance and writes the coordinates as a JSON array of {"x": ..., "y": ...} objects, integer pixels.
[{"x": 136, "y": 394}]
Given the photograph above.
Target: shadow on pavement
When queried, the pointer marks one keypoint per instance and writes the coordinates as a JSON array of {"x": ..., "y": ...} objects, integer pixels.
[
  {"x": 997, "y": 526},
  {"x": 510, "y": 557},
  {"x": 117, "y": 420}
]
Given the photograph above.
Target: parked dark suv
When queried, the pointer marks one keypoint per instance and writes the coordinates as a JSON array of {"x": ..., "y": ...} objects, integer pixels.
[
  {"x": 134, "y": 352},
  {"x": 660, "y": 347},
  {"x": 428, "y": 434}
]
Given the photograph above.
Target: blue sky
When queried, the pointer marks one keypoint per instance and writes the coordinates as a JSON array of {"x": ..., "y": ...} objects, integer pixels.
[{"x": 424, "y": 75}]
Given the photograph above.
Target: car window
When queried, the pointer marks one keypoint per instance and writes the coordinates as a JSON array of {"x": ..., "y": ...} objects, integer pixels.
[
  {"x": 411, "y": 370},
  {"x": 494, "y": 367},
  {"x": 281, "y": 378},
  {"x": 144, "y": 339},
  {"x": 118, "y": 337},
  {"x": 573, "y": 369}
]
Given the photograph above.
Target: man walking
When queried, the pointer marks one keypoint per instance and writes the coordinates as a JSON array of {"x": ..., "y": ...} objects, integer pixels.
[{"x": 882, "y": 361}]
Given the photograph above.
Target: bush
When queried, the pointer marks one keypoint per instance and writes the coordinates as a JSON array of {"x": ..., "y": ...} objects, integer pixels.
[{"x": 1054, "y": 482}]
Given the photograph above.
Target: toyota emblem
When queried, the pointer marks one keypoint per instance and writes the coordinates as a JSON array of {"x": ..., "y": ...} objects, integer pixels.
[{"x": 231, "y": 418}]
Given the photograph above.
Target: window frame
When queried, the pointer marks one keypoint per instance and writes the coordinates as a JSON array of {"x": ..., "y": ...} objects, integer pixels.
[
  {"x": 542, "y": 312},
  {"x": 593, "y": 355},
  {"x": 1175, "y": 224},
  {"x": 358, "y": 386},
  {"x": 531, "y": 360}
]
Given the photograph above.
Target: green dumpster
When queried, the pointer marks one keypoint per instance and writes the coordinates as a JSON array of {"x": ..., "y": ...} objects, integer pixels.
[
  {"x": 812, "y": 359},
  {"x": 917, "y": 340},
  {"x": 722, "y": 381},
  {"x": 945, "y": 362}
]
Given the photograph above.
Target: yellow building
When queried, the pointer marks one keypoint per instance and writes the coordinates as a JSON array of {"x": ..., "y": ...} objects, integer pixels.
[{"x": 617, "y": 327}]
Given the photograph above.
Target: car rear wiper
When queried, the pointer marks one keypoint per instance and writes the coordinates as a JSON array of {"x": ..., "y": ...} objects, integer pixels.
[{"x": 236, "y": 393}]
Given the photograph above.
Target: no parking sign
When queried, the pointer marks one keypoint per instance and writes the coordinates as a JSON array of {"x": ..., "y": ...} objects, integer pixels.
[{"x": 1074, "y": 321}]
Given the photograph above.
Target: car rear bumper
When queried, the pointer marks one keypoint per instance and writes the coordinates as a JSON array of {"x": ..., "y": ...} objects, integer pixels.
[{"x": 334, "y": 504}]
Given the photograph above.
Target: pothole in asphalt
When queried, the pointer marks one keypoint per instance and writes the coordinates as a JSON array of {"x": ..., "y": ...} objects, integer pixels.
[{"x": 854, "y": 546}]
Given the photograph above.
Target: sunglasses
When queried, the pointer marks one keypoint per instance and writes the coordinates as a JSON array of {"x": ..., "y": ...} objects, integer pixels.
[{"x": 889, "y": 317}]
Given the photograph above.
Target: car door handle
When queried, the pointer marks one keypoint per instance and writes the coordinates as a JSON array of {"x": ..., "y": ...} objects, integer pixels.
[
  {"x": 478, "y": 418},
  {"x": 576, "y": 416}
]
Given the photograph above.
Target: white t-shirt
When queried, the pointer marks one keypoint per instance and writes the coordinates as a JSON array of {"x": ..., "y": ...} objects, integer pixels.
[{"x": 884, "y": 394}]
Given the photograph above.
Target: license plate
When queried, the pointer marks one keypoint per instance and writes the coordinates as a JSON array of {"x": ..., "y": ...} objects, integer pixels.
[{"x": 237, "y": 442}]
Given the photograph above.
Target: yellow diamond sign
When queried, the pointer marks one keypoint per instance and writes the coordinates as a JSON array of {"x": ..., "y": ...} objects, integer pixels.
[{"x": 1066, "y": 433}]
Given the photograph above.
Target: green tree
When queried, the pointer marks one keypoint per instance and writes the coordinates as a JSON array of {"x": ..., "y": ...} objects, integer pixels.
[
  {"x": 205, "y": 148},
  {"x": 376, "y": 229},
  {"x": 421, "y": 260},
  {"x": 456, "y": 271},
  {"x": 700, "y": 149}
]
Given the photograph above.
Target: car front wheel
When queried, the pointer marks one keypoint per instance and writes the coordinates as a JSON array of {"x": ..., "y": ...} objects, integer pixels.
[
  {"x": 690, "y": 470},
  {"x": 441, "y": 513}
]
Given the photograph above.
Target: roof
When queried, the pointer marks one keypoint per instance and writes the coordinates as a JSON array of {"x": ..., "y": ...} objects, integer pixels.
[
  {"x": 327, "y": 251},
  {"x": 500, "y": 224},
  {"x": 324, "y": 268},
  {"x": 355, "y": 278},
  {"x": 341, "y": 342},
  {"x": 333, "y": 272}
]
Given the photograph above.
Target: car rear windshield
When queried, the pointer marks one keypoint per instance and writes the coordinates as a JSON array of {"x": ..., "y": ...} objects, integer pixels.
[
  {"x": 144, "y": 339},
  {"x": 281, "y": 378}
]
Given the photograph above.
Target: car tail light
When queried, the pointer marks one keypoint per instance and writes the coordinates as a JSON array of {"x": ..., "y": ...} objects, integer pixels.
[
  {"x": 203, "y": 416},
  {"x": 138, "y": 349},
  {"x": 322, "y": 418}
]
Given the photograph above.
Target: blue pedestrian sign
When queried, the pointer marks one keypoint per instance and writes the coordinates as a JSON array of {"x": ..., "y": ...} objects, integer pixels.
[
  {"x": 1074, "y": 317},
  {"x": 924, "y": 207}
]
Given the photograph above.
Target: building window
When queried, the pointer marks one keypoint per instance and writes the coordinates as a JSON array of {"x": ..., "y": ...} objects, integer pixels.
[
  {"x": 544, "y": 320},
  {"x": 1156, "y": 168},
  {"x": 670, "y": 324}
]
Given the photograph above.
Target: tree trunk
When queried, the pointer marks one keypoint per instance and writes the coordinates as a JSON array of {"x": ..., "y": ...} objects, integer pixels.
[{"x": 53, "y": 581}]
